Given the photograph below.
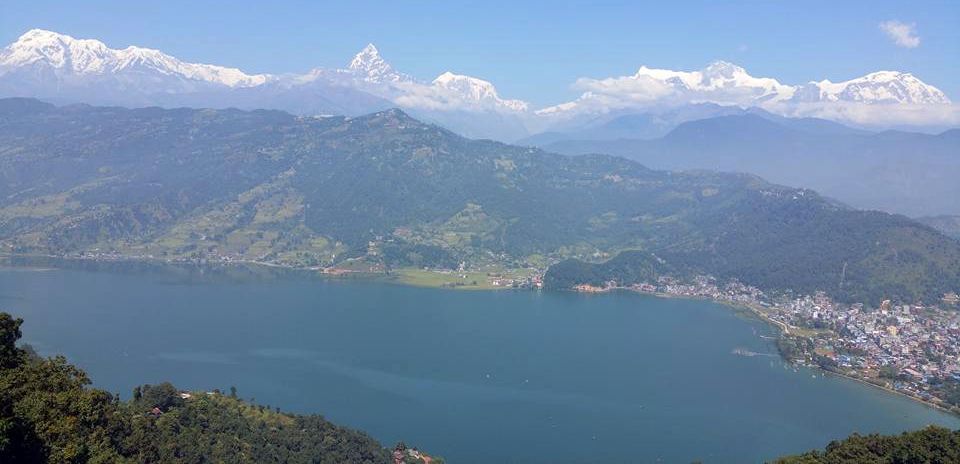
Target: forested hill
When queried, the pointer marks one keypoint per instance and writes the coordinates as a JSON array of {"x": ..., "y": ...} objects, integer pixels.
[
  {"x": 930, "y": 445},
  {"x": 268, "y": 186},
  {"x": 48, "y": 413}
]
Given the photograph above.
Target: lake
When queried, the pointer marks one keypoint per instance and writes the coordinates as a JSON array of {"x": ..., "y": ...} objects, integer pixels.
[{"x": 508, "y": 376}]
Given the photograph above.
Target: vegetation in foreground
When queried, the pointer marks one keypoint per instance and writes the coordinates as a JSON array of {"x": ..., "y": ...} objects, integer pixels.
[
  {"x": 49, "y": 413},
  {"x": 930, "y": 445}
]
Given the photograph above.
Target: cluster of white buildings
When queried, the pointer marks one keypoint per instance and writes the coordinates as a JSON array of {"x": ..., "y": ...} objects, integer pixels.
[{"x": 914, "y": 346}]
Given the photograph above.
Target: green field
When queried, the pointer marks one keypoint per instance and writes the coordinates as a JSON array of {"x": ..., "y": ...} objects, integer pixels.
[{"x": 467, "y": 280}]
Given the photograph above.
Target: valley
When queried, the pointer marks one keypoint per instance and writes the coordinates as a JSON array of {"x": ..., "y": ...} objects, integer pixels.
[{"x": 479, "y": 232}]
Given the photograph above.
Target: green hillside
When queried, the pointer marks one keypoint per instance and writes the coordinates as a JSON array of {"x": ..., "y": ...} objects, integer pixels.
[
  {"x": 930, "y": 445},
  {"x": 385, "y": 190}
]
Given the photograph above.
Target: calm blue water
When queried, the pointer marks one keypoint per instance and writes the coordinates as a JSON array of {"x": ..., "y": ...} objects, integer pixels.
[{"x": 472, "y": 376}]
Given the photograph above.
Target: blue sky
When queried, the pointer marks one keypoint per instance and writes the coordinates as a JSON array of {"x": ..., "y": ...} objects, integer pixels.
[{"x": 530, "y": 50}]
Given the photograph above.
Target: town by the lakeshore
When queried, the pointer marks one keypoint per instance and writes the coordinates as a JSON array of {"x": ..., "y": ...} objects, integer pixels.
[{"x": 911, "y": 349}]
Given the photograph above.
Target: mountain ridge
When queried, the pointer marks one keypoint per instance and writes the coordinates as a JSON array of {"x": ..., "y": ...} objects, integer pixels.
[
  {"x": 901, "y": 172},
  {"x": 386, "y": 190},
  {"x": 58, "y": 67}
]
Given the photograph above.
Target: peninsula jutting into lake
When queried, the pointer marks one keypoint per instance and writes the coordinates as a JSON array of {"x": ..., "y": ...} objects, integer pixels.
[{"x": 425, "y": 232}]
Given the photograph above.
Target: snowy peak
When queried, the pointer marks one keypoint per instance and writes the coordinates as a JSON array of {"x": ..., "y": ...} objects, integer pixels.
[
  {"x": 723, "y": 70},
  {"x": 39, "y": 46},
  {"x": 477, "y": 90},
  {"x": 876, "y": 87},
  {"x": 369, "y": 66},
  {"x": 725, "y": 83},
  {"x": 718, "y": 78},
  {"x": 46, "y": 64},
  {"x": 368, "y": 59},
  {"x": 69, "y": 56}
]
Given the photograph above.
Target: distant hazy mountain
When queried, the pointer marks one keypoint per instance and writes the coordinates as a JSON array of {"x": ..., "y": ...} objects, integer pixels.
[
  {"x": 908, "y": 173},
  {"x": 270, "y": 186},
  {"x": 60, "y": 68},
  {"x": 949, "y": 225},
  {"x": 657, "y": 122}
]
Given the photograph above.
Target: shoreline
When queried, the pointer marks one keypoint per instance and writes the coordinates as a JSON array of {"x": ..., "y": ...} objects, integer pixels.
[{"x": 782, "y": 327}]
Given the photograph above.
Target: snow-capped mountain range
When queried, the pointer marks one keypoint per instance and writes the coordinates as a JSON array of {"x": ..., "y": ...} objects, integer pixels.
[
  {"x": 60, "y": 68},
  {"x": 877, "y": 87},
  {"x": 44, "y": 51},
  {"x": 728, "y": 84}
]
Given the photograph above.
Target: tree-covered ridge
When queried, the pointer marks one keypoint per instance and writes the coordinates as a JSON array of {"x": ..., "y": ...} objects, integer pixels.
[
  {"x": 932, "y": 445},
  {"x": 228, "y": 185},
  {"x": 949, "y": 225},
  {"x": 855, "y": 256},
  {"x": 48, "y": 413}
]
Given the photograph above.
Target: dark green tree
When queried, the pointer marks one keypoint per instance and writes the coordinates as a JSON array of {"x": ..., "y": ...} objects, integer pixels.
[{"x": 9, "y": 334}]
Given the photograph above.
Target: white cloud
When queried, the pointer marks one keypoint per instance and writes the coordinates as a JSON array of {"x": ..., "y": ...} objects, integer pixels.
[
  {"x": 872, "y": 115},
  {"x": 634, "y": 89},
  {"x": 902, "y": 34}
]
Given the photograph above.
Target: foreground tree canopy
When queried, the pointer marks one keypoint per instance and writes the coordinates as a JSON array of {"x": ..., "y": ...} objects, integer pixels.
[{"x": 930, "y": 445}]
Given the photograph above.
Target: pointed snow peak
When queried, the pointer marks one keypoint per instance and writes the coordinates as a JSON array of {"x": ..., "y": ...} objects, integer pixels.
[
  {"x": 369, "y": 66},
  {"x": 724, "y": 69},
  {"x": 366, "y": 57}
]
